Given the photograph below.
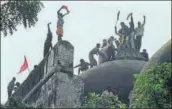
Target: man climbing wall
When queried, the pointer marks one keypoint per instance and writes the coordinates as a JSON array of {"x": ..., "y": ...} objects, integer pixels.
[{"x": 48, "y": 41}]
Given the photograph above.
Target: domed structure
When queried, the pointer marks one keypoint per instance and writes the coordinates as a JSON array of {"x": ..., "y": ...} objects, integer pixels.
[
  {"x": 161, "y": 56},
  {"x": 118, "y": 74}
]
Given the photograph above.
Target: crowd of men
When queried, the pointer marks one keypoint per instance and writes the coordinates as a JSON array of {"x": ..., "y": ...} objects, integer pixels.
[{"x": 129, "y": 38}]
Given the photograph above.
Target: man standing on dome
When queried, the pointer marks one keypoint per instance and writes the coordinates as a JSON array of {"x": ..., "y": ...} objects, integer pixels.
[
  {"x": 139, "y": 31},
  {"x": 111, "y": 49},
  {"x": 131, "y": 33},
  {"x": 123, "y": 33},
  {"x": 94, "y": 51},
  {"x": 60, "y": 22}
]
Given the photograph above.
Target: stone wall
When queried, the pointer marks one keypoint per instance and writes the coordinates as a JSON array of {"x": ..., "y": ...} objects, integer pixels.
[{"x": 63, "y": 89}]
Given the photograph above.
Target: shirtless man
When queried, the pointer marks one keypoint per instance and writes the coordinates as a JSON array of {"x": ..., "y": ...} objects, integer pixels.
[{"x": 60, "y": 22}]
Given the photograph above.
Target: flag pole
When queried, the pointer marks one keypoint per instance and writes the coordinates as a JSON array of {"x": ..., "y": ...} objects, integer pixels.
[
  {"x": 117, "y": 18},
  {"x": 28, "y": 65},
  {"x": 28, "y": 69}
]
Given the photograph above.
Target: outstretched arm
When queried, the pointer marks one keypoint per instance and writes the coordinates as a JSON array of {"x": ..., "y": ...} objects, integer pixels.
[
  {"x": 132, "y": 18},
  {"x": 77, "y": 66},
  {"x": 49, "y": 31},
  {"x": 144, "y": 20},
  {"x": 59, "y": 10},
  {"x": 88, "y": 63},
  {"x": 132, "y": 21},
  {"x": 116, "y": 31},
  {"x": 65, "y": 14}
]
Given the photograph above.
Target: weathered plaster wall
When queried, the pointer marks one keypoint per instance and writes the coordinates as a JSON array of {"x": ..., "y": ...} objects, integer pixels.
[{"x": 63, "y": 89}]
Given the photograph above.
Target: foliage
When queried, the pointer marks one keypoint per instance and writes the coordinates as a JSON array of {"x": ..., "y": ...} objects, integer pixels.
[
  {"x": 18, "y": 12},
  {"x": 152, "y": 88},
  {"x": 93, "y": 101},
  {"x": 97, "y": 101},
  {"x": 16, "y": 102}
]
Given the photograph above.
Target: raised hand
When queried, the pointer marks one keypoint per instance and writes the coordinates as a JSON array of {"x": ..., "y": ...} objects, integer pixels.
[
  {"x": 131, "y": 13},
  {"x": 49, "y": 23},
  {"x": 66, "y": 7},
  {"x": 144, "y": 16}
]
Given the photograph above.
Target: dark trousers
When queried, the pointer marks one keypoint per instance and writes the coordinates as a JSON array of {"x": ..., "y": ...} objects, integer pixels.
[
  {"x": 9, "y": 93},
  {"x": 111, "y": 53},
  {"x": 59, "y": 38},
  {"x": 46, "y": 48},
  {"x": 138, "y": 42}
]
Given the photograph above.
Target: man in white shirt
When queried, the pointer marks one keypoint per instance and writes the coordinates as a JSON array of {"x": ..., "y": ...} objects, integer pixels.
[{"x": 139, "y": 32}]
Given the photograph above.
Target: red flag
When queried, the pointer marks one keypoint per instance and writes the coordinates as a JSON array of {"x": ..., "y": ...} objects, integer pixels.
[
  {"x": 65, "y": 7},
  {"x": 24, "y": 66}
]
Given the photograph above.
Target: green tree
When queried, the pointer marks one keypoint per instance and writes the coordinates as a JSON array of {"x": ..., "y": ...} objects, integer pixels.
[
  {"x": 97, "y": 101},
  {"x": 153, "y": 88},
  {"x": 18, "y": 12},
  {"x": 16, "y": 102}
]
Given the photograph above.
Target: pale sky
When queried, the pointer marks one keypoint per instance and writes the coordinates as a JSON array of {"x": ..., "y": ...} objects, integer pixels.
[{"x": 88, "y": 23}]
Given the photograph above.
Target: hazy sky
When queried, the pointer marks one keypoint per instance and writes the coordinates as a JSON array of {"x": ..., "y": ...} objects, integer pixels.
[{"x": 87, "y": 24}]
